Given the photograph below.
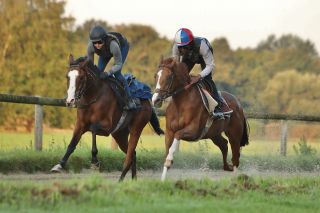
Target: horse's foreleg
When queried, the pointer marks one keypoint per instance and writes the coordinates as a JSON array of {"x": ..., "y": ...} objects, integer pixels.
[
  {"x": 94, "y": 151},
  {"x": 71, "y": 147},
  {"x": 169, "y": 158},
  {"x": 171, "y": 147}
]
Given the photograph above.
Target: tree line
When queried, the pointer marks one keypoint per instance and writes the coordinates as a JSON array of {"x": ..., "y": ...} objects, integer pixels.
[{"x": 279, "y": 75}]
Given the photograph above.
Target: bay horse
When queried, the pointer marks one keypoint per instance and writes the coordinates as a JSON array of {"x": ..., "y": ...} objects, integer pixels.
[
  {"x": 98, "y": 111},
  {"x": 187, "y": 118}
]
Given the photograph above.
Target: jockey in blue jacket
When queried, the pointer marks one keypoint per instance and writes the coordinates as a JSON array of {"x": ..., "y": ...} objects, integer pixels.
[
  {"x": 106, "y": 46},
  {"x": 197, "y": 50}
]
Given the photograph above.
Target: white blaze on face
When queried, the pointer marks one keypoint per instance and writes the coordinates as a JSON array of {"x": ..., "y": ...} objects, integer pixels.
[
  {"x": 72, "y": 75},
  {"x": 155, "y": 95}
]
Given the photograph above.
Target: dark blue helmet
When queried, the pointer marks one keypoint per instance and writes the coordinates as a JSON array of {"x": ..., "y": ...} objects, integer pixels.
[{"x": 97, "y": 33}]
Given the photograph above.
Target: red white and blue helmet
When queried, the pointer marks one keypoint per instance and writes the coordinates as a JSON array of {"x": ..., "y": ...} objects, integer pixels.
[{"x": 183, "y": 37}]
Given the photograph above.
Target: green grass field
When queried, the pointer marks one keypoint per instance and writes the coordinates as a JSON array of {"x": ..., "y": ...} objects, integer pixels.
[
  {"x": 60, "y": 139},
  {"x": 95, "y": 194}
]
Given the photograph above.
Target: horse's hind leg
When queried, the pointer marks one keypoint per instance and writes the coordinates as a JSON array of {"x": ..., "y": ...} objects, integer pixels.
[
  {"x": 130, "y": 156},
  {"x": 134, "y": 166},
  {"x": 130, "y": 161},
  {"x": 234, "y": 140},
  {"x": 222, "y": 143}
]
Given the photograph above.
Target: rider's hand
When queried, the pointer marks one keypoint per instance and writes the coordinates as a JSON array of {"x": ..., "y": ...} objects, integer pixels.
[
  {"x": 104, "y": 75},
  {"x": 195, "y": 78}
]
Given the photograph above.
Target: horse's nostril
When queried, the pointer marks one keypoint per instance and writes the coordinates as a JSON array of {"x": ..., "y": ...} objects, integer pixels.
[{"x": 69, "y": 103}]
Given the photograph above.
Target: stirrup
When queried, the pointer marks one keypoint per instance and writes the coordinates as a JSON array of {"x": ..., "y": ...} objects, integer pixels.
[
  {"x": 228, "y": 113},
  {"x": 217, "y": 115},
  {"x": 132, "y": 107}
]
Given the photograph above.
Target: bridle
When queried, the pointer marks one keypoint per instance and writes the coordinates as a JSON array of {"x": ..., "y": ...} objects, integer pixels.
[
  {"x": 85, "y": 85},
  {"x": 168, "y": 92},
  {"x": 165, "y": 93}
]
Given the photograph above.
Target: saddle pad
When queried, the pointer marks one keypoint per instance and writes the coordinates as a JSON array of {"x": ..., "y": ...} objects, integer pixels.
[
  {"x": 138, "y": 89},
  {"x": 211, "y": 103}
]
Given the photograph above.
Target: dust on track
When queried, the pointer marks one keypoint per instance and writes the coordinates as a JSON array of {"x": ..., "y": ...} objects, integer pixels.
[{"x": 173, "y": 174}]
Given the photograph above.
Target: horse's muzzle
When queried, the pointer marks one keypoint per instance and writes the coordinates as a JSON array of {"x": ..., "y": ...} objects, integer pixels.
[
  {"x": 71, "y": 103},
  {"x": 156, "y": 100}
]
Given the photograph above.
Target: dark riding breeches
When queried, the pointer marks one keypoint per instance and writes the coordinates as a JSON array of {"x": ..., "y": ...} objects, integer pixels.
[{"x": 214, "y": 90}]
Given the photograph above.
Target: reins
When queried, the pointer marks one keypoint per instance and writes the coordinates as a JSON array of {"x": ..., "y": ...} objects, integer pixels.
[
  {"x": 167, "y": 92},
  {"x": 84, "y": 88}
]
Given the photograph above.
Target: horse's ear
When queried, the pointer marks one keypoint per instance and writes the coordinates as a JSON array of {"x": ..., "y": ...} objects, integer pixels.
[
  {"x": 71, "y": 59},
  {"x": 173, "y": 63},
  {"x": 161, "y": 59}
]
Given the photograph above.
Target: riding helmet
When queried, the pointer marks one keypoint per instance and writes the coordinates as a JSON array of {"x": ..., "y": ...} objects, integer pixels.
[
  {"x": 183, "y": 37},
  {"x": 97, "y": 33}
]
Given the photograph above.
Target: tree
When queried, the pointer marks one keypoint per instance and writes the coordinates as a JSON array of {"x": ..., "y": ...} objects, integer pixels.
[
  {"x": 35, "y": 51},
  {"x": 292, "y": 92}
]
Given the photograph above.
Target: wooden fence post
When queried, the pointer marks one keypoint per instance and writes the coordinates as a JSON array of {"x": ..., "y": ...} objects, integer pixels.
[
  {"x": 284, "y": 137},
  {"x": 38, "y": 118}
]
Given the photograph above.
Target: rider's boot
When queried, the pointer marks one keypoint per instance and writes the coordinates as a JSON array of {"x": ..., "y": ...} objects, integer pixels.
[
  {"x": 221, "y": 111},
  {"x": 131, "y": 105},
  {"x": 222, "y": 108}
]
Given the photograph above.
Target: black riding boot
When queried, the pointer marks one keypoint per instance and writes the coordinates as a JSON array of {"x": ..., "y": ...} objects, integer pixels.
[
  {"x": 222, "y": 105},
  {"x": 131, "y": 104},
  {"x": 216, "y": 96}
]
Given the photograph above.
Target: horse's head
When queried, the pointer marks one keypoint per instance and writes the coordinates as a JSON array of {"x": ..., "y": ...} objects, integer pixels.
[
  {"x": 172, "y": 76},
  {"x": 79, "y": 75}
]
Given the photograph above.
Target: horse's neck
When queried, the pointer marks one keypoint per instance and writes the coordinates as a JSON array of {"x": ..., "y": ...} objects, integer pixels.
[
  {"x": 186, "y": 97},
  {"x": 94, "y": 89}
]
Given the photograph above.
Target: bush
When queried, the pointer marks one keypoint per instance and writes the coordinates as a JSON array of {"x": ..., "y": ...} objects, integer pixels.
[{"x": 303, "y": 148}]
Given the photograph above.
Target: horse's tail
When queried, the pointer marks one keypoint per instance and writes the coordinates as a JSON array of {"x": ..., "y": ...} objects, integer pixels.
[
  {"x": 155, "y": 123},
  {"x": 245, "y": 134}
]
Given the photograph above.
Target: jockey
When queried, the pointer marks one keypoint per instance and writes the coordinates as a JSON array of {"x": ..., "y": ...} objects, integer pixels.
[
  {"x": 107, "y": 45},
  {"x": 197, "y": 50}
]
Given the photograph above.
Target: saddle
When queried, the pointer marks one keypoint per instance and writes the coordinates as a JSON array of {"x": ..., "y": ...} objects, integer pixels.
[
  {"x": 206, "y": 89},
  {"x": 121, "y": 95}
]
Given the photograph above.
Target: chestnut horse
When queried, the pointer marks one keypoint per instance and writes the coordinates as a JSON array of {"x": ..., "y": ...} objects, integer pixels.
[
  {"x": 99, "y": 112},
  {"x": 187, "y": 118}
]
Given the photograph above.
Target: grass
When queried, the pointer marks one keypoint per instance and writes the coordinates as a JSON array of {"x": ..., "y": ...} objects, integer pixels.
[
  {"x": 95, "y": 194},
  {"x": 17, "y": 153},
  {"x": 32, "y": 161},
  {"x": 60, "y": 139}
]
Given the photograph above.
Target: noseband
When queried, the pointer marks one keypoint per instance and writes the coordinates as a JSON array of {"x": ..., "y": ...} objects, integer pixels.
[{"x": 168, "y": 92}]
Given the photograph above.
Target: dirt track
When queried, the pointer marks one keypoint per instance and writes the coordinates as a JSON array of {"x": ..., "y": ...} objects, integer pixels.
[{"x": 173, "y": 174}]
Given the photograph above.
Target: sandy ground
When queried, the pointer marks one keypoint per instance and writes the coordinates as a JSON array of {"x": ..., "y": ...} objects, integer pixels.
[{"x": 173, "y": 174}]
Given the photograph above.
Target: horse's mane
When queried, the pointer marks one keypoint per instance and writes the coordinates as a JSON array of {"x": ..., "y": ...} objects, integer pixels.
[
  {"x": 93, "y": 68},
  {"x": 180, "y": 69}
]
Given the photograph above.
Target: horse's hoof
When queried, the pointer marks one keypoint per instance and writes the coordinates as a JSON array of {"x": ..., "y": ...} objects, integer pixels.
[
  {"x": 228, "y": 167},
  {"x": 95, "y": 166},
  {"x": 57, "y": 169}
]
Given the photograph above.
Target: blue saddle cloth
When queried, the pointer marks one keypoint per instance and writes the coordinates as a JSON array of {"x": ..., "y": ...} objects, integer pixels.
[{"x": 137, "y": 88}]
